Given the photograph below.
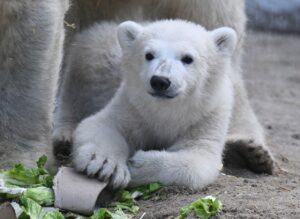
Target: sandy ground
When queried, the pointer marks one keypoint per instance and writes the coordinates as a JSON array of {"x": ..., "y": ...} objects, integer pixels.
[{"x": 272, "y": 73}]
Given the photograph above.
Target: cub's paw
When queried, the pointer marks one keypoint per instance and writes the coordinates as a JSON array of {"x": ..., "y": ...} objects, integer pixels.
[
  {"x": 248, "y": 153},
  {"x": 62, "y": 142},
  {"x": 144, "y": 167},
  {"x": 106, "y": 167}
]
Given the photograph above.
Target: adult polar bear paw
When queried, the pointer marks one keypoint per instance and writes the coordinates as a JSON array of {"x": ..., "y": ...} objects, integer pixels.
[
  {"x": 249, "y": 153},
  {"x": 94, "y": 163},
  {"x": 62, "y": 141}
]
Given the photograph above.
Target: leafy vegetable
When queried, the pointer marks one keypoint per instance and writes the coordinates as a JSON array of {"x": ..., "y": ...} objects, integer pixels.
[
  {"x": 202, "y": 208},
  {"x": 126, "y": 198},
  {"x": 125, "y": 202},
  {"x": 104, "y": 213},
  {"x": 54, "y": 215},
  {"x": 32, "y": 210},
  {"x": 10, "y": 193},
  {"x": 19, "y": 176},
  {"x": 35, "y": 183},
  {"x": 71, "y": 215},
  {"x": 32, "y": 189},
  {"x": 42, "y": 195},
  {"x": 146, "y": 190}
]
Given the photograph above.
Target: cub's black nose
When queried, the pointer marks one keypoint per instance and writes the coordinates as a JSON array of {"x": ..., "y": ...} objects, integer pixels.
[{"x": 160, "y": 83}]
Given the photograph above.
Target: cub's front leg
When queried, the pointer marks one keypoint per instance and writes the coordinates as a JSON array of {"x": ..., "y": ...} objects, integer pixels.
[
  {"x": 193, "y": 161},
  {"x": 194, "y": 168},
  {"x": 101, "y": 151}
]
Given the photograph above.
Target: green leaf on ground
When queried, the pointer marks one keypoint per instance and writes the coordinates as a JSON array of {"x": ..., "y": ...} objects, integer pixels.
[
  {"x": 104, "y": 213},
  {"x": 126, "y": 198},
  {"x": 54, "y": 215},
  {"x": 42, "y": 195},
  {"x": 202, "y": 208},
  {"x": 20, "y": 176},
  {"x": 147, "y": 190},
  {"x": 125, "y": 201},
  {"x": 32, "y": 210}
]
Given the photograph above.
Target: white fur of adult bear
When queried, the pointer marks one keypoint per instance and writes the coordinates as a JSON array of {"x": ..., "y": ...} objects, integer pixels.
[
  {"x": 31, "y": 51},
  {"x": 174, "y": 136}
]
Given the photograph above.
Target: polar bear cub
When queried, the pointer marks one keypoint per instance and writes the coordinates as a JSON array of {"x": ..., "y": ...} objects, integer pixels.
[{"x": 169, "y": 118}]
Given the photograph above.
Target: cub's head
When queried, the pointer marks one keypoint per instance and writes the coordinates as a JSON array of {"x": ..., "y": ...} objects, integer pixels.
[{"x": 171, "y": 59}]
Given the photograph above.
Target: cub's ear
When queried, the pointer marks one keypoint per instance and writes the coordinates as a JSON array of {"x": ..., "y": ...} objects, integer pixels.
[
  {"x": 128, "y": 32},
  {"x": 225, "y": 39}
]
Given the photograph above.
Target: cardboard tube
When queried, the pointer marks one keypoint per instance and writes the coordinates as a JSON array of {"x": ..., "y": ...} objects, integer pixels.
[
  {"x": 76, "y": 192},
  {"x": 7, "y": 211}
]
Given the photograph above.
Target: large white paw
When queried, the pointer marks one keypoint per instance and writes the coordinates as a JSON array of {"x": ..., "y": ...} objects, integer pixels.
[{"x": 104, "y": 166}]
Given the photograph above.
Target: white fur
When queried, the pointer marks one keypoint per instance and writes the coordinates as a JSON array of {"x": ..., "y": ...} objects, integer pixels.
[
  {"x": 172, "y": 141},
  {"x": 31, "y": 51}
]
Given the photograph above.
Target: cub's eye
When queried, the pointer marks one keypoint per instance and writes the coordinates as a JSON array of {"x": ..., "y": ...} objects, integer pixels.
[
  {"x": 187, "y": 59},
  {"x": 149, "y": 56}
]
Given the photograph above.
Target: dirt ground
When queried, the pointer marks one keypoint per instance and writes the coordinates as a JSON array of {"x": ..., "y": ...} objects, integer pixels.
[{"x": 272, "y": 73}]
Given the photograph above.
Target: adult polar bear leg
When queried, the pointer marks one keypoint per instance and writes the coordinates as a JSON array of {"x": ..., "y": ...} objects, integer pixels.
[
  {"x": 246, "y": 145},
  {"x": 90, "y": 79},
  {"x": 31, "y": 41},
  {"x": 246, "y": 141}
]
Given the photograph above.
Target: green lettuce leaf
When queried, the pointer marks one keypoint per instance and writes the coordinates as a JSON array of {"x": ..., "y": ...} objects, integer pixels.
[
  {"x": 42, "y": 195},
  {"x": 125, "y": 202},
  {"x": 146, "y": 190},
  {"x": 20, "y": 176},
  {"x": 71, "y": 215},
  {"x": 202, "y": 208},
  {"x": 104, "y": 213},
  {"x": 32, "y": 210},
  {"x": 54, "y": 215},
  {"x": 126, "y": 198}
]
